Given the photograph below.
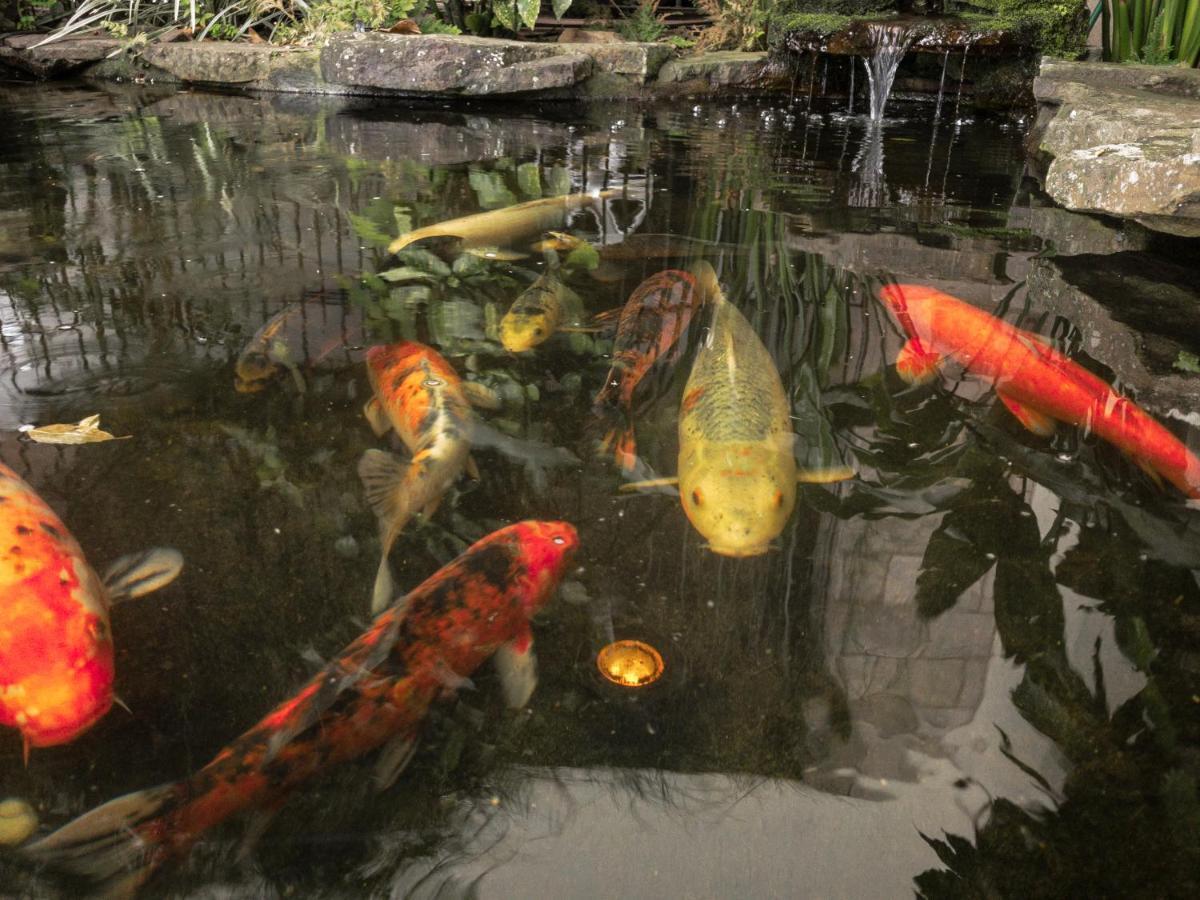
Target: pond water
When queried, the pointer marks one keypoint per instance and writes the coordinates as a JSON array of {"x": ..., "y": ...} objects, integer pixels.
[{"x": 971, "y": 669}]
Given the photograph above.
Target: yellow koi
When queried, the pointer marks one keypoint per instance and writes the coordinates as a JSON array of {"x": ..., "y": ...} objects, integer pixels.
[
  {"x": 502, "y": 227},
  {"x": 737, "y": 468},
  {"x": 535, "y": 315}
]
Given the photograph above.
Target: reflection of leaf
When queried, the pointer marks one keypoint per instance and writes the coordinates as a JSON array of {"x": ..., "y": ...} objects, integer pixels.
[
  {"x": 558, "y": 181},
  {"x": 951, "y": 564},
  {"x": 491, "y": 190},
  {"x": 1188, "y": 362},
  {"x": 405, "y": 273},
  {"x": 403, "y": 219},
  {"x": 86, "y": 432},
  {"x": 424, "y": 260},
  {"x": 529, "y": 180},
  {"x": 368, "y": 231}
]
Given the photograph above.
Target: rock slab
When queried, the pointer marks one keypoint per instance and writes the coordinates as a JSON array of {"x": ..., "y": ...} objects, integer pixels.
[
  {"x": 444, "y": 65},
  {"x": 1122, "y": 140}
]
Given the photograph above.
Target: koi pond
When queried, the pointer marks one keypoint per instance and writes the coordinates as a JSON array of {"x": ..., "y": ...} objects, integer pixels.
[{"x": 966, "y": 663}]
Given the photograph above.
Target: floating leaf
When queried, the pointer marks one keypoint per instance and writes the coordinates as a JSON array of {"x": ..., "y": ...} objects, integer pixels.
[{"x": 86, "y": 432}]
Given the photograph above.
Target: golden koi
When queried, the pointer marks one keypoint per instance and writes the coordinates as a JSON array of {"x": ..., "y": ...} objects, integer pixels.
[
  {"x": 56, "y": 651},
  {"x": 737, "y": 468},
  {"x": 503, "y": 227},
  {"x": 535, "y": 315}
]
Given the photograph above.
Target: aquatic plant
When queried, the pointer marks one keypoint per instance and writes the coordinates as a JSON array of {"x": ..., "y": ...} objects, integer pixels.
[
  {"x": 644, "y": 24},
  {"x": 1158, "y": 32}
]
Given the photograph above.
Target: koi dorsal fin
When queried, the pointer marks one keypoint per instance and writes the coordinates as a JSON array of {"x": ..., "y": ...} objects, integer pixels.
[
  {"x": 915, "y": 364},
  {"x": 1037, "y": 422},
  {"x": 517, "y": 667},
  {"x": 137, "y": 574}
]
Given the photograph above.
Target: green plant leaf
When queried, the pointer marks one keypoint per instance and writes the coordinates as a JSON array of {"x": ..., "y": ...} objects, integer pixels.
[
  {"x": 405, "y": 273},
  {"x": 558, "y": 182},
  {"x": 560, "y": 7},
  {"x": 1187, "y": 362},
  {"x": 585, "y": 256},
  {"x": 513, "y": 13}
]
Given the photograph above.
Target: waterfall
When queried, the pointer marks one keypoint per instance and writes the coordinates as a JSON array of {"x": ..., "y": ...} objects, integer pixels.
[
  {"x": 890, "y": 43},
  {"x": 962, "y": 75},
  {"x": 850, "y": 105},
  {"x": 937, "y": 112}
]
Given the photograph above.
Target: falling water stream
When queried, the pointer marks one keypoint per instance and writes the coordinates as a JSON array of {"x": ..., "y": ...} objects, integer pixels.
[
  {"x": 890, "y": 43},
  {"x": 937, "y": 112}
]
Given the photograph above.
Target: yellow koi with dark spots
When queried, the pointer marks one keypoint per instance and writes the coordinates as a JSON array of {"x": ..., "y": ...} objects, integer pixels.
[{"x": 535, "y": 315}]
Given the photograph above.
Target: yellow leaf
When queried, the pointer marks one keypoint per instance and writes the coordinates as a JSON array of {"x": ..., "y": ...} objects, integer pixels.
[{"x": 86, "y": 432}]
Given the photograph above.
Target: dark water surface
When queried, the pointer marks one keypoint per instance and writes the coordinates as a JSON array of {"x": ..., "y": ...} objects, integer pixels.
[{"x": 973, "y": 670}]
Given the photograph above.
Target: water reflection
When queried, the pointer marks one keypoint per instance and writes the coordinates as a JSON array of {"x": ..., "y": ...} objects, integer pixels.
[{"x": 970, "y": 634}]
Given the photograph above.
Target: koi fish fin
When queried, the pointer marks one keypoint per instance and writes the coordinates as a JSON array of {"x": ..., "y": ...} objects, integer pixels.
[
  {"x": 376, "y": 417},
  {"x": 654, "y": 485},
  {"x": 256, "y": 826},
  {"x": 915, "y": 364},
  {"x": 433, "y": 233},
  {"x": 384, "y": 588},
  {"x": 1037, "y": 422},
  {"x": 481, "y": 396},
  {"x": 825, "y": 475},
  {"x": 582, "y": 329},
  {"x": 382, "y": 476},
  {"x": 517, "y": 667},
  {"x": 532, "y": 453},
  {"x": 472, "y": 468},
  {"x": 621, "y": 444},
  {"x": 305, "y": 711},
  {"x": 608, "y": 318},
  {"x": 136, "y": 574},
  {"x": 393, "y": 760},
  {"x": 115, "y": 845}
]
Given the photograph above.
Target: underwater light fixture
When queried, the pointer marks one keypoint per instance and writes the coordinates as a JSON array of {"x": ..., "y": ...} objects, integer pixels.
[{"x": 631, "y": 664}]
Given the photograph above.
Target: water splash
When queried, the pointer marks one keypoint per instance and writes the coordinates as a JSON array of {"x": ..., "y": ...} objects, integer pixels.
[
  {"x": 850, "y": 105},
  {"x": 890, "y": 43}
]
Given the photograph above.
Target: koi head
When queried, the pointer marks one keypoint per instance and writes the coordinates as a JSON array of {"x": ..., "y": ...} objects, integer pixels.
[
  {"x": 911, "y": 304},
  {"x": 254, "y": 371},
  {"x": 739, "y": 501},
  {"x": 521, "y": 331},
  {"x": 547, "y": 549}
]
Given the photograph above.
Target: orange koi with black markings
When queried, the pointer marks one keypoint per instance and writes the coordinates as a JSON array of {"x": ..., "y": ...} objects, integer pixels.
[
  {"x": 419, "y": 396},
  {"x": 56, "y": 651},
  {"x": 1036, "y": 383},
  {"x": 375, "y": 694},
  {"x": 651, "y": 327}
]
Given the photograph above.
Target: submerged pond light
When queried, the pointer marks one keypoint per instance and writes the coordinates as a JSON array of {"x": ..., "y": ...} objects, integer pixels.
[{"x": 631, "y": 664}]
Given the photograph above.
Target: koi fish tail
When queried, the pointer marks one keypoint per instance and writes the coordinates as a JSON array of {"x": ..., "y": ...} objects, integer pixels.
[
  {"x": 383, "y": 478},
  {"x": 620, "y": 443},
  {"x": 117, "y": 846}
]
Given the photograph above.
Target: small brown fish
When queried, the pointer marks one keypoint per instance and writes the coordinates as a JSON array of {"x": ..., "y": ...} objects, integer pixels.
[{"x": 300, "y": 336}]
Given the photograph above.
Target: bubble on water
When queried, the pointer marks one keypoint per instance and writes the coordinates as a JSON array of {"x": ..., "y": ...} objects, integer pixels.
[
  {"x": 721, "y": 123},
  {"x": 1063, "y": 457}
]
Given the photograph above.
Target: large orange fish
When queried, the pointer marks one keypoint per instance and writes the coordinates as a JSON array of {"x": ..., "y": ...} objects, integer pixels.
[
  {"x": 1038, "y": 384},
  {"x": 652, "y": 322},
  {"x": 56, "y": 651},
  {"x": 375, "y": 693},
  {"x": 419, "y": 395}
]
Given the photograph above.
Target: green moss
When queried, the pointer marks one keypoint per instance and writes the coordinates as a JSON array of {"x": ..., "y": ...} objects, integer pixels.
[{"x": 1057, "y": 27}]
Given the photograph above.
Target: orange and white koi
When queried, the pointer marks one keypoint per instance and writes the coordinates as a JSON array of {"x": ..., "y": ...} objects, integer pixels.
[
  {"x": 56, "y": 650},
  {"x": 651, "y": 326},
  {"x": 374, "y": 694},
  {"x": 420, "y": 396},
  {"x": 1038, "y": 385}
]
